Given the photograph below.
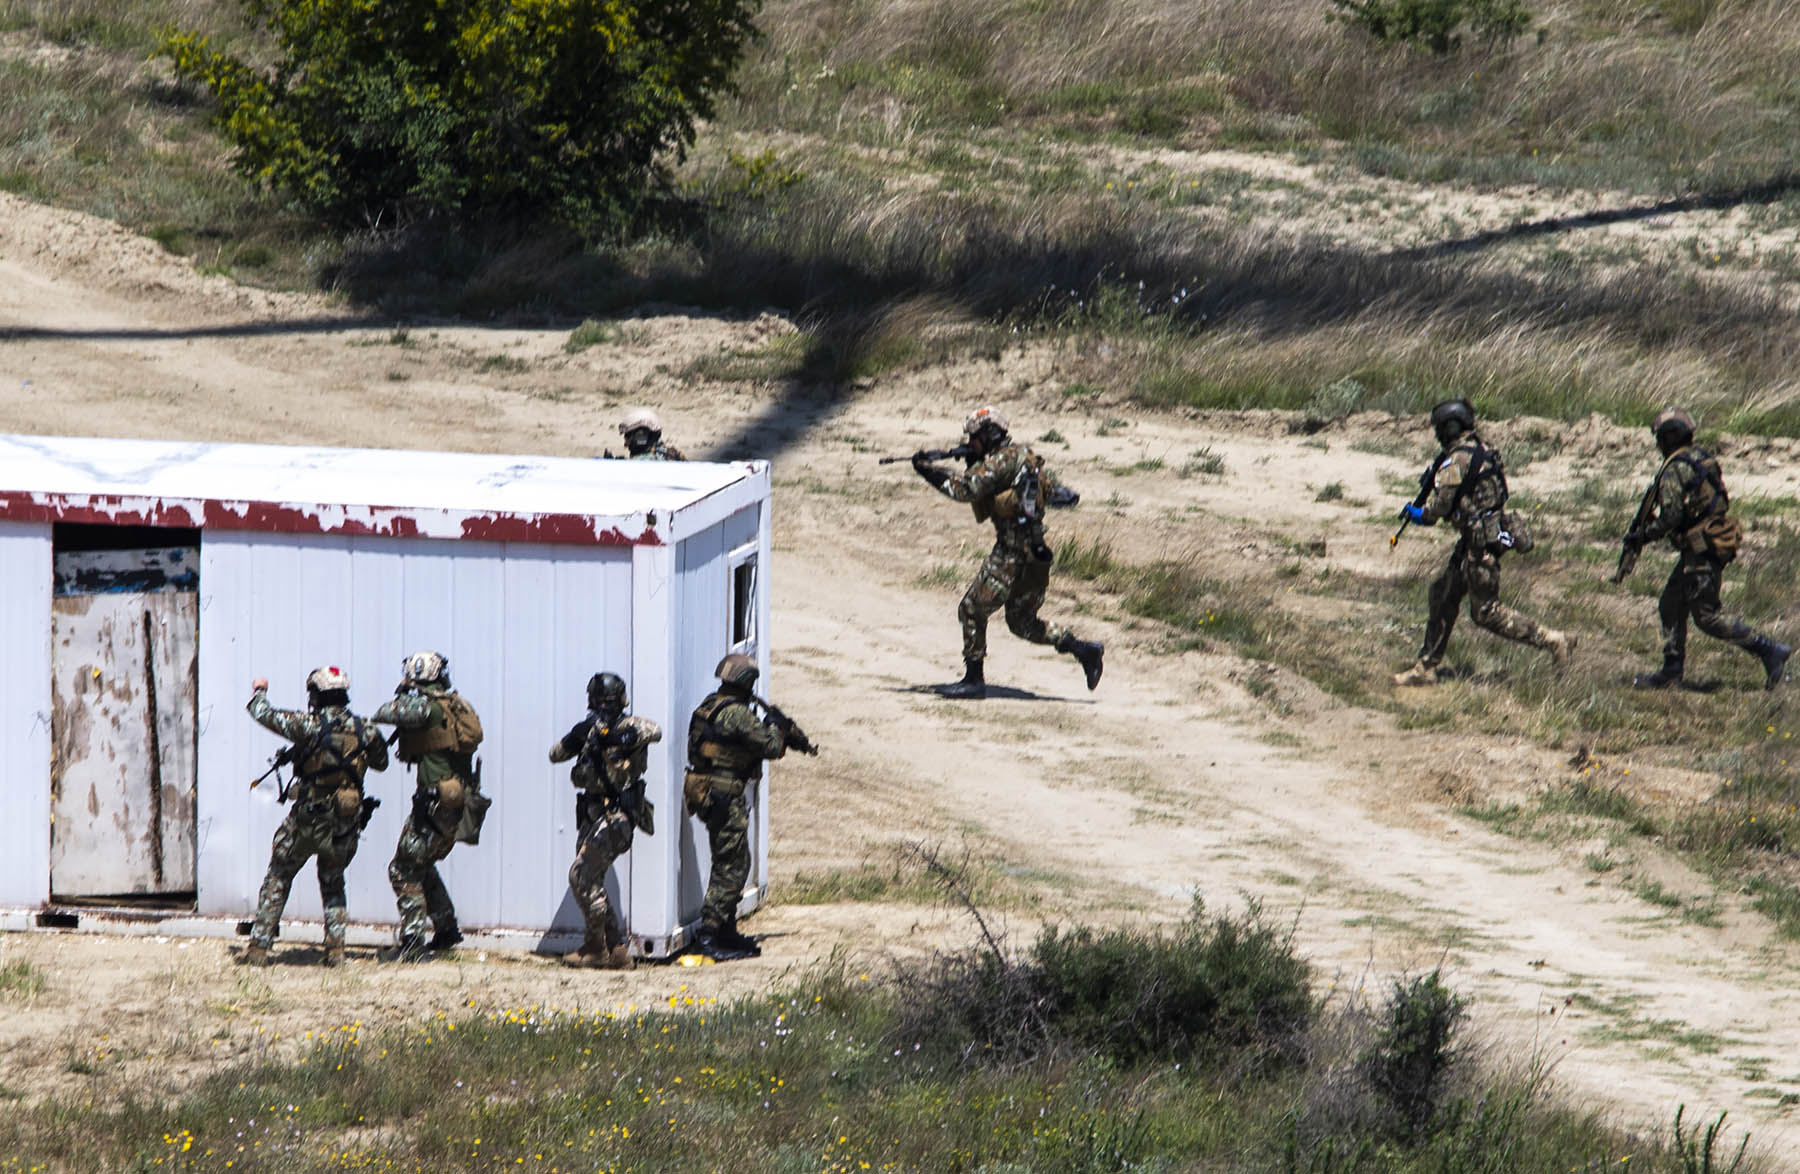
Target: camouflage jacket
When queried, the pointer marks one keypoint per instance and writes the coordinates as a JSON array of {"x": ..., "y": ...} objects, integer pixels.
[
  {"x": 734, "y": 740},
  {"x": 604, "y": 760},
  {"x": 414, "y": 710},
  {"x": 297, "y": 726},
  {"x": 1688, "y": 490},
  {"x": 1470, "y": 504},
  {"x": 662, "y": 452},
  {"x": 990, "y": 478}
]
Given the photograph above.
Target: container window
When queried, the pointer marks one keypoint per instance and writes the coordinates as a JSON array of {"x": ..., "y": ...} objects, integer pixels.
[{"x": 743, "y": 599}]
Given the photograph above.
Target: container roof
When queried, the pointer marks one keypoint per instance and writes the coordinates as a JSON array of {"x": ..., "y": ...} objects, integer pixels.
[{"x": 401, "y": 493}]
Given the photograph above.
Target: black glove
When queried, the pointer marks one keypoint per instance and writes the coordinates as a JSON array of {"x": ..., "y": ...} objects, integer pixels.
[
  {"x": 1062, "y": 498},
  {"x": 421, "y": 812},
  {"x": 1635, "y": 541},
  {"x": 932, "y": 474}
]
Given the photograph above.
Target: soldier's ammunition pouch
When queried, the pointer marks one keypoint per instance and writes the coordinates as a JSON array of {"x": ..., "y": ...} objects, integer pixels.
[
  {"x": 450, "y": 795},
  {"x": 1006, "y": 504},
  {"x": 474, "y": 814},
  {"x": 348, "y": 803},
  {"x": 1720, "y": 535},
  {"x": 696, "y": 789},
  {"x": 981, "y": 509},
  {"x": 415, "y": 744}
]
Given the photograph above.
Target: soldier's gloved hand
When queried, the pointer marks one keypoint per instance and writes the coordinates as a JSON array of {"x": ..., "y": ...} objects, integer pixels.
[
  {"x": 1634, "y": 541},
  {"x": 933, "y": 475},
  {"x": 1415, "y": 514}
]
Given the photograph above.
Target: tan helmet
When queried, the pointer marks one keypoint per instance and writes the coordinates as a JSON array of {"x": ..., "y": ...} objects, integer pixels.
[
  {"x": 423, "y": 668},
  {"x": 324, "y": 680},
  {"x": 1672, "y": 419},
  {"x": 985, "y": 417},
  {"x": 737, "y": 669},
  {"x": 638, "y": 418}
]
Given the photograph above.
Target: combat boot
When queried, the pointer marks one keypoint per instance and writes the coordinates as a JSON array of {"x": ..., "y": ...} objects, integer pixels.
[
  {"x": 585, "y": 959},
  {"x": 445, "y": 939},
  {"x": 1089, "y": 654},
  {"x": 619, "y": 958},
  {"x": 1561, "y": 646},
  {"x": 410, "y": 948},
  {"x": 742, "y": 941},
  {"x": 334, "y": 954},
  {"x": 1669, "y": 674},
  {"x": 255, "y": 955},
  {"x": 1419, "y": 674},
  {"x": 712, "y": 942},
  {"x": 1774, "y": 659},
  {"x": 973, "y": 686}
]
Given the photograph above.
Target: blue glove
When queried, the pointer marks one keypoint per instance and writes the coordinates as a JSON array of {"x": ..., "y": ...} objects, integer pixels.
[{"x": 1416, "y": 515}]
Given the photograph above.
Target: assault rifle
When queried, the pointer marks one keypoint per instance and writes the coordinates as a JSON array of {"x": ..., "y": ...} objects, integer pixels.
[
  {"x": 790, "y": 729},
  {"x": 281, "y": 758},
  {"x": 930, "y": 454},
  {"x": 1628, "y": 550},
  {"x": 1427, "y": 483}
]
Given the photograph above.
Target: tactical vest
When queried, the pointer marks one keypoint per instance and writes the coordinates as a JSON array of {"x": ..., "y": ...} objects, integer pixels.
[
  {"x": 1705, "y": 496},
  {"x": 442, "y": 736},
  {"x": 1022, "y": 499},
  {"x": 1478, "y": 506},
  {"x": 335, "y": 763},
  {"x": 711, "y": 750}
]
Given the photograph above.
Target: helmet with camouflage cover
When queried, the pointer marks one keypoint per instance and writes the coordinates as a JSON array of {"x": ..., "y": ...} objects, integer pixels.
[
  {"x": 986, "y": 429},
  {"x": 737, "y": 669},
  {"x": 328, "y": 678},
  {"x": 1452, "y": 418},
  {"x": 1672, "y": 428},
  {"x": 606, "y": 692},
  {"x": 425, "y": 668},
  {"x": 640, "y": 419}
]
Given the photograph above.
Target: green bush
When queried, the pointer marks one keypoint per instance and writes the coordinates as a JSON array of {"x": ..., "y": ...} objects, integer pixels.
[
  {"x": 1212, "y": 988},
  {"x": 1412, "y": 1055},
  {"x": 383, "y": 112},
  {"x": 1437, "y": 25}
]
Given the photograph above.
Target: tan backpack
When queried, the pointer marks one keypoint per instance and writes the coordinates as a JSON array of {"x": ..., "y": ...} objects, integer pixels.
[{"x": 462, "y": 721}]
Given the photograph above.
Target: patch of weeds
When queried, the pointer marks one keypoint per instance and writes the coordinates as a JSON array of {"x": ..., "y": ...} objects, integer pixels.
[
  {"x": 1330, "y": 491},
  {"x": 1149, "y": 465},
  {"x": 1410, "y": 1062},
  {"x": 1052, "y": 437},
  {"x": 942, "y": 575},
  {"x": 1777, "y": 899},
  {"x": 505, "y": 364},
  {"x": 591, "y": 333},
  {"x": 1599, "y": 862},
  {"x": 555, "y": 395},
  {"x": 401, "y": 337},
  {"x": 1091, "y": 560},
  {"x": 397, "y": 376},
  {"x": 20, "y": 980},
  {"x": 1203, "y": 463},
  {"x": 1112, "y": 426},
  {"x": 171, "y": 237}
]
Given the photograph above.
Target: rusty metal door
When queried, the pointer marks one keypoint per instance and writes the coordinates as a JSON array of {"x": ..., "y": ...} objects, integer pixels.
[{"x": 122, "y": 726}]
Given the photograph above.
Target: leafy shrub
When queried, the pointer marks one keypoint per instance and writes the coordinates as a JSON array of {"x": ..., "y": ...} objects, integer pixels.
[
  {"x": 1412, "y": 1055},
  {"x": 1437, "y": 25},
  {"x": 377, "y": 111},
  {"x": 1209, "y": 989}
]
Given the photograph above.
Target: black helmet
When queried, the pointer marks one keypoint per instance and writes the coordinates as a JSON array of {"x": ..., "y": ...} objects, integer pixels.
[
  {"x": 606, "y": 691},
  {"x": 1451, "y": 418},
  {"x": 737, "y": 669},
  {"x": 1673, "y": 428}
]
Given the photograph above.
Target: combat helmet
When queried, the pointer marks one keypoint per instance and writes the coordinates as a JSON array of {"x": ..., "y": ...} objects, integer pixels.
[
  {"x": 641, "y": 428},
  {"x": 1672, "y": 428},
  {"x": 988, "y": 417},
  {"x": 327, "y": 679},
  {"x": 1452, "y": 418},
  {"x": 737, "y": 669},
  {"x": 425, "y": 668},
  {"x": 606, "y": 692}
]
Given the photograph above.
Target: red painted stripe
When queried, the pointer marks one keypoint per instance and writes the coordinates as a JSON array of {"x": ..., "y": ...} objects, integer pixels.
[{"x": 277, "y": 518}]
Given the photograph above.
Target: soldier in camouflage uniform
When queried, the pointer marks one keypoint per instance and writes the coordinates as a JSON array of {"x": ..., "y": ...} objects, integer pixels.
[
  {"x": 332, "y": 750},
  {"x": 727, "y": 744},
  {"x": 642, "y": 430},
  {"x": 1686, "y": 504},
  {"x": 610, "y": 752},
  {"x": 1008, "y": 484},
  {"x": 1468, "y": 487},
  {"x": 438, "y": 733}
]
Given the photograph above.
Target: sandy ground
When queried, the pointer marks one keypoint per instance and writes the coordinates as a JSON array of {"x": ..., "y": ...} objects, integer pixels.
[{"x": 1176, "y": 775}]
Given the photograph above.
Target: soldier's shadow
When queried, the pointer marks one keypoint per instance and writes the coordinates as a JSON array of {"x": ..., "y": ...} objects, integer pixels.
[{"x": 994, "y": 693}]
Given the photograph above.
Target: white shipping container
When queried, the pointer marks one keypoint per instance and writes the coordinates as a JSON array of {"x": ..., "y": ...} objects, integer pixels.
[{"x": 128, "y": 754}]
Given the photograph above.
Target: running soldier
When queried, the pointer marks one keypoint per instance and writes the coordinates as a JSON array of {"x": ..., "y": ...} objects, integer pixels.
[
  {"x": 642, "y": 430},
  {"x": 331, "y": 750},
  {"x": 1687, "y": 503},
  {"x": 1008, "y": 484},
  {"x": 1466, "y": 484},
  {"x": 438, "y": 734},
  {"x": 610, "y": 752},
  {"x": 727, "y": 745}
]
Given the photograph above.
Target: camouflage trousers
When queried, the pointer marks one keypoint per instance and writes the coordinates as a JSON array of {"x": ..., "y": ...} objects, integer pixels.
[
  {"x": 1016, "y": 581},
  {"x": 418, "y": 889},
  {"x": 727, "y": 819},
  {"x": 302, "y": 836},
  {"x": 603, "y": 841},
  {"x": 1475, "y": 574},
  {"x": 1692, "y": 592}
]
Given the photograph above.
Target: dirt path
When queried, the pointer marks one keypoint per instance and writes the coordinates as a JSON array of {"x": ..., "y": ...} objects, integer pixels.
[{"x": 1178, "y": 774}]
